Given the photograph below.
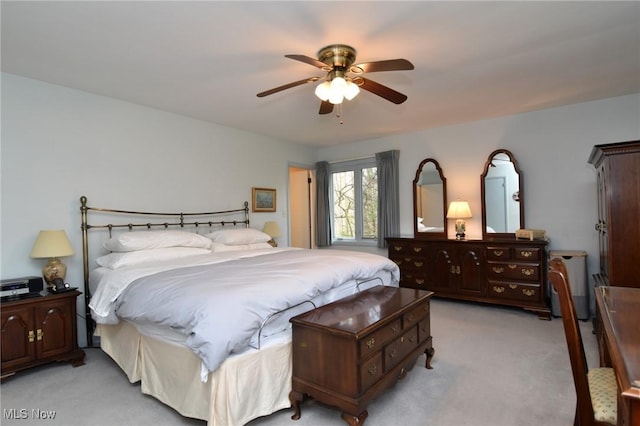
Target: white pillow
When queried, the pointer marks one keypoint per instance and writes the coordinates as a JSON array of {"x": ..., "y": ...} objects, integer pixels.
[
  {"x": 144, "y": 240},
  {"x": 238, "y": 236},
  {"x": 131, "y": 258},
  {"x": 219, "y": 247}
]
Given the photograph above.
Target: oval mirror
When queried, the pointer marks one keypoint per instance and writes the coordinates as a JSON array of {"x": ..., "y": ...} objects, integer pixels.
[
  {"x": 429, "y": 201},
  {"x": 501, "y": 195}
]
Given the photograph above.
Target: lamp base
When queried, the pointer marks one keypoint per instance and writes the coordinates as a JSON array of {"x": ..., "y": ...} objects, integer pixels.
[
  {"x": 54, "y": 269},
  {"x": 460, "y": 228}
]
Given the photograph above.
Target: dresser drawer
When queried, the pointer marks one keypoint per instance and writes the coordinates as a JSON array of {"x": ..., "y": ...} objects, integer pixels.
[
  {"x": 514, "y": 271},
  {"x": 371, "y": 371},
  {"x": 514, "y": 291},
  {"x": 374, "y": 342},
  {"x": 406, "y": 248},
  {"x": 395, "y": 351},
  {"x": 498, "y": 253},
  {"x": 413, "y": 279},
  {"x": 410, "y": 262}
]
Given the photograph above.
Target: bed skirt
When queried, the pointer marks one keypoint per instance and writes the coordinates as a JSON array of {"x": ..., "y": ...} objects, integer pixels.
[{"x": 246, "y": 386}]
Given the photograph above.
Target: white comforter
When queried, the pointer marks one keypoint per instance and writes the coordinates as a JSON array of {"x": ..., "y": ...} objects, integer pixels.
[{"x": 221, "y": 302}]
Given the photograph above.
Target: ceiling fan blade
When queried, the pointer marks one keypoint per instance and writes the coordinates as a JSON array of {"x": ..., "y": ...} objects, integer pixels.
[
  {"x": 326, "y": 107},
  {"x": 388, "y": 65},
  {"x": 309, "y": 60},
  {"x": 383, "y": 91},
  {"x": 287, "y": 86}
]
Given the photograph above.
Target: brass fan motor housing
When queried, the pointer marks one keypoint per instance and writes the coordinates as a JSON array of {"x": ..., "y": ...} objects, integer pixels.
[{"x": 337, "y": 55}]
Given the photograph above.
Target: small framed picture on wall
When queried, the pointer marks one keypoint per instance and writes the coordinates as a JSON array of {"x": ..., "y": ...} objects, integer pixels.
[{"x": 264, "y": 200}]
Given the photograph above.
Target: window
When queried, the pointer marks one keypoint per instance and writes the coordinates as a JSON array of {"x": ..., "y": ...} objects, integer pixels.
[{"x": 354, "y": 201}]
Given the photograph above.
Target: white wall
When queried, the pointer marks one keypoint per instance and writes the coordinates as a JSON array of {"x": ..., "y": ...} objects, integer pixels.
[
  {"x": 59, "y": 144},
  {"x": 551, "y": 146}
]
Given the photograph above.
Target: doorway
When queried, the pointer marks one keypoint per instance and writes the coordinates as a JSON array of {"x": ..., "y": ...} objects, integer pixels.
[{"x": 301, "y": 207}]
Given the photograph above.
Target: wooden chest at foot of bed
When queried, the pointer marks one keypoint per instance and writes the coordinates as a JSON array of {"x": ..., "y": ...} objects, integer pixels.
[{"x": 348, "y": 352}]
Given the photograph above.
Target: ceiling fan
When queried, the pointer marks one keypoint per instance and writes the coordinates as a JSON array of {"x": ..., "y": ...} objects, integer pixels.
[{"x": 343, "y": 78}]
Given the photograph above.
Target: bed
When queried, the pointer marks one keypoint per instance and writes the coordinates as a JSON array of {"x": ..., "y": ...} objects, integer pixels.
[{"x": 196, "y": 306}]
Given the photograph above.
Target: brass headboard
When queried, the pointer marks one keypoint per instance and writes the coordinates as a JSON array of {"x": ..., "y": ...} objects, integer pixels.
[{"x": 182, "y": 220}]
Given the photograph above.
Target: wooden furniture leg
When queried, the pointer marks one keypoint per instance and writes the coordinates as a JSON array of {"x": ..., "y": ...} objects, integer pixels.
[{"x": 355, "y": 420}]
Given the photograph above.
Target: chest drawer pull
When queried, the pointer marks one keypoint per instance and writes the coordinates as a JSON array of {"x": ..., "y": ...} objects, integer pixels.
[
  {"x": 498, "y": 253},
  {"x": 395, "y": 328},
  {"x": 513, "y": 286},
  {"x": 528, "y": 292},
  {"x": 512, "y": 266},
  {"x": 31, "y": 336},
  {"x": 417, "y": 249},
  {"x": 526, "y": 253},
  {"x": 393, "y": 353},
  {"x": 410, "y": 317},
  {"x": 419, "y": 281},
  {"x": 39, "y": 334},
  {"x": 418, "y": 264},
  {"x": 498, "y": 270},
  {"x": 397, "y": 248},
  {"x": 371, "y": 343},
  {"x": 373, "y": 370},
  {"x": 527, "y": 272},
  {"x": 498, "y": 289}
]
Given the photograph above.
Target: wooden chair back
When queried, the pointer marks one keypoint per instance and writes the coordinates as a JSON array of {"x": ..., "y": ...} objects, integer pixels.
[{"x": 560, "y": 282}]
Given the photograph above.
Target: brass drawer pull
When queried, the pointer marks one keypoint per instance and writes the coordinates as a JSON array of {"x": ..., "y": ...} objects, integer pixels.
[
  {"x": 418, "y": 264},
  {"x": 527, "y": 272},
  {"x": 412, "y": 339},
  {"x": 39, "y": 334},
  {"x": 371, "y": 343},
  {"x": 498, "y": 289},
  {"x": 419, "y": 281},
  {"x": 498, "y": 270},
  {"x": 398, "y": 262},
  {"x": 526, "y": 253},
  {"x": 397, "y": 248},
  {"x": 528, "y": 292},
  {"x": 395, "y": 328},
  {"x": 458, "y": 269},
  {"x": 417, "y": 249},
  {"x": 373, "y": 370},
  {"x": 512, "y": 266},
  {"x": 498, "y": 253},
  {"x": 393, "y": 353},
  {"x": 32, "y": 336},
  {"x": 407, "y": 259},
  {"x": 410, "y": 317},
  {"x": 513, "y": 286}
]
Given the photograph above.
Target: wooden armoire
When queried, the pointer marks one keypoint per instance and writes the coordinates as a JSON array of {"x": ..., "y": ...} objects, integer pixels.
[{"x": 618, "y": 166}]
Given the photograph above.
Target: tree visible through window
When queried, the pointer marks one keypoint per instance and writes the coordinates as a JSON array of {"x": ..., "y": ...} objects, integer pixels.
[{"x": 355, "y": 201}]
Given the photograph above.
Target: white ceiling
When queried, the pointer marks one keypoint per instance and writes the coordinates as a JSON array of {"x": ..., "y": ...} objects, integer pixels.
[{"x": 208, "y": 59}]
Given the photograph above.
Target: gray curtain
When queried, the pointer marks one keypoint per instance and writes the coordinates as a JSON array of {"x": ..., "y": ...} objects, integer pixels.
[
  {"x": 323, "y": 212},
  {"x": 388, "y": 196}
]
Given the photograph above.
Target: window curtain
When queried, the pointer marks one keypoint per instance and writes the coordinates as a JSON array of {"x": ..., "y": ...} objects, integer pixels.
[
  {"x": 323, "y": 211},
  {"x": 388, "y": 196}
]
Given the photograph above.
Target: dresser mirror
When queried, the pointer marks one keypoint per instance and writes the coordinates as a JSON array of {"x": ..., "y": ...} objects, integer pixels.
[
  {"x": 429, "y": 201},
  {"x": 501, "y": 195}
]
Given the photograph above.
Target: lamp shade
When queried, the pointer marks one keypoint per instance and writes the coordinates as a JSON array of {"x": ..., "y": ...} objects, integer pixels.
[
  {"x": 459, "y": 210},
  {"x": 52, "y": 244},
  {"x": 272, "y": 229}
]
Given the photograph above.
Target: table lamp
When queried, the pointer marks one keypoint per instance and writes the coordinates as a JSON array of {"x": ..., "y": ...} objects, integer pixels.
[
  {"x": 460, "y": 211},
  {"x": 273, "y": 230},
  {"x": 52, "y": 244}
]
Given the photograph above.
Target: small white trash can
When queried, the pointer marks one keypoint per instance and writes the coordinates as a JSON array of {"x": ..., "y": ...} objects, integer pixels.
[{"x": 576, "y": 263}]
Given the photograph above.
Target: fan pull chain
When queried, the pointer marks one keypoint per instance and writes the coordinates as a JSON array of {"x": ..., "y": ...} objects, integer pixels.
[{"x": 339, "y": 113}]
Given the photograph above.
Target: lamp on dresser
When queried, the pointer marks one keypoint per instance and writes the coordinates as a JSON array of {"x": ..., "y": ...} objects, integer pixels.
[
  {"x": 459, "y": 210},
  {"x": 52, "y": 244}
]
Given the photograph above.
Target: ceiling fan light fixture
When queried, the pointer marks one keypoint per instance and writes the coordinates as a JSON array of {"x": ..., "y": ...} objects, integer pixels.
[
  {"x": 351, "y": 90},
  {"x": 323, "y": 90}
]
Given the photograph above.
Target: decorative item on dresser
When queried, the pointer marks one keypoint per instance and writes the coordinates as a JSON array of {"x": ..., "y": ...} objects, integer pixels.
[
  {"x": 618, "y": 166},
  {"x": 498, "y": 268},
  {"x": 39, "y": 330},
  {"x": 53, "y": 244},
  {"x": 347, "y": 353}
]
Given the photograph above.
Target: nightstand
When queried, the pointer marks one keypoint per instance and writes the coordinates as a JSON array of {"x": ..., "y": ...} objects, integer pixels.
[{"x": 39, "y": 330}]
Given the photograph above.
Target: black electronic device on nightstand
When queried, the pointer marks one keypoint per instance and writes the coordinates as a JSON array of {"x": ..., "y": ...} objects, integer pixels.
[{"x": 20, "y": 288}]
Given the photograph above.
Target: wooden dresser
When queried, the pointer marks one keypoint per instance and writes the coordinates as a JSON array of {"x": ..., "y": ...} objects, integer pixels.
[
  {"x": 348, "y": 352},
  {"x": 505, "y": 272},
  {"x": 618, "y": 166}
]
